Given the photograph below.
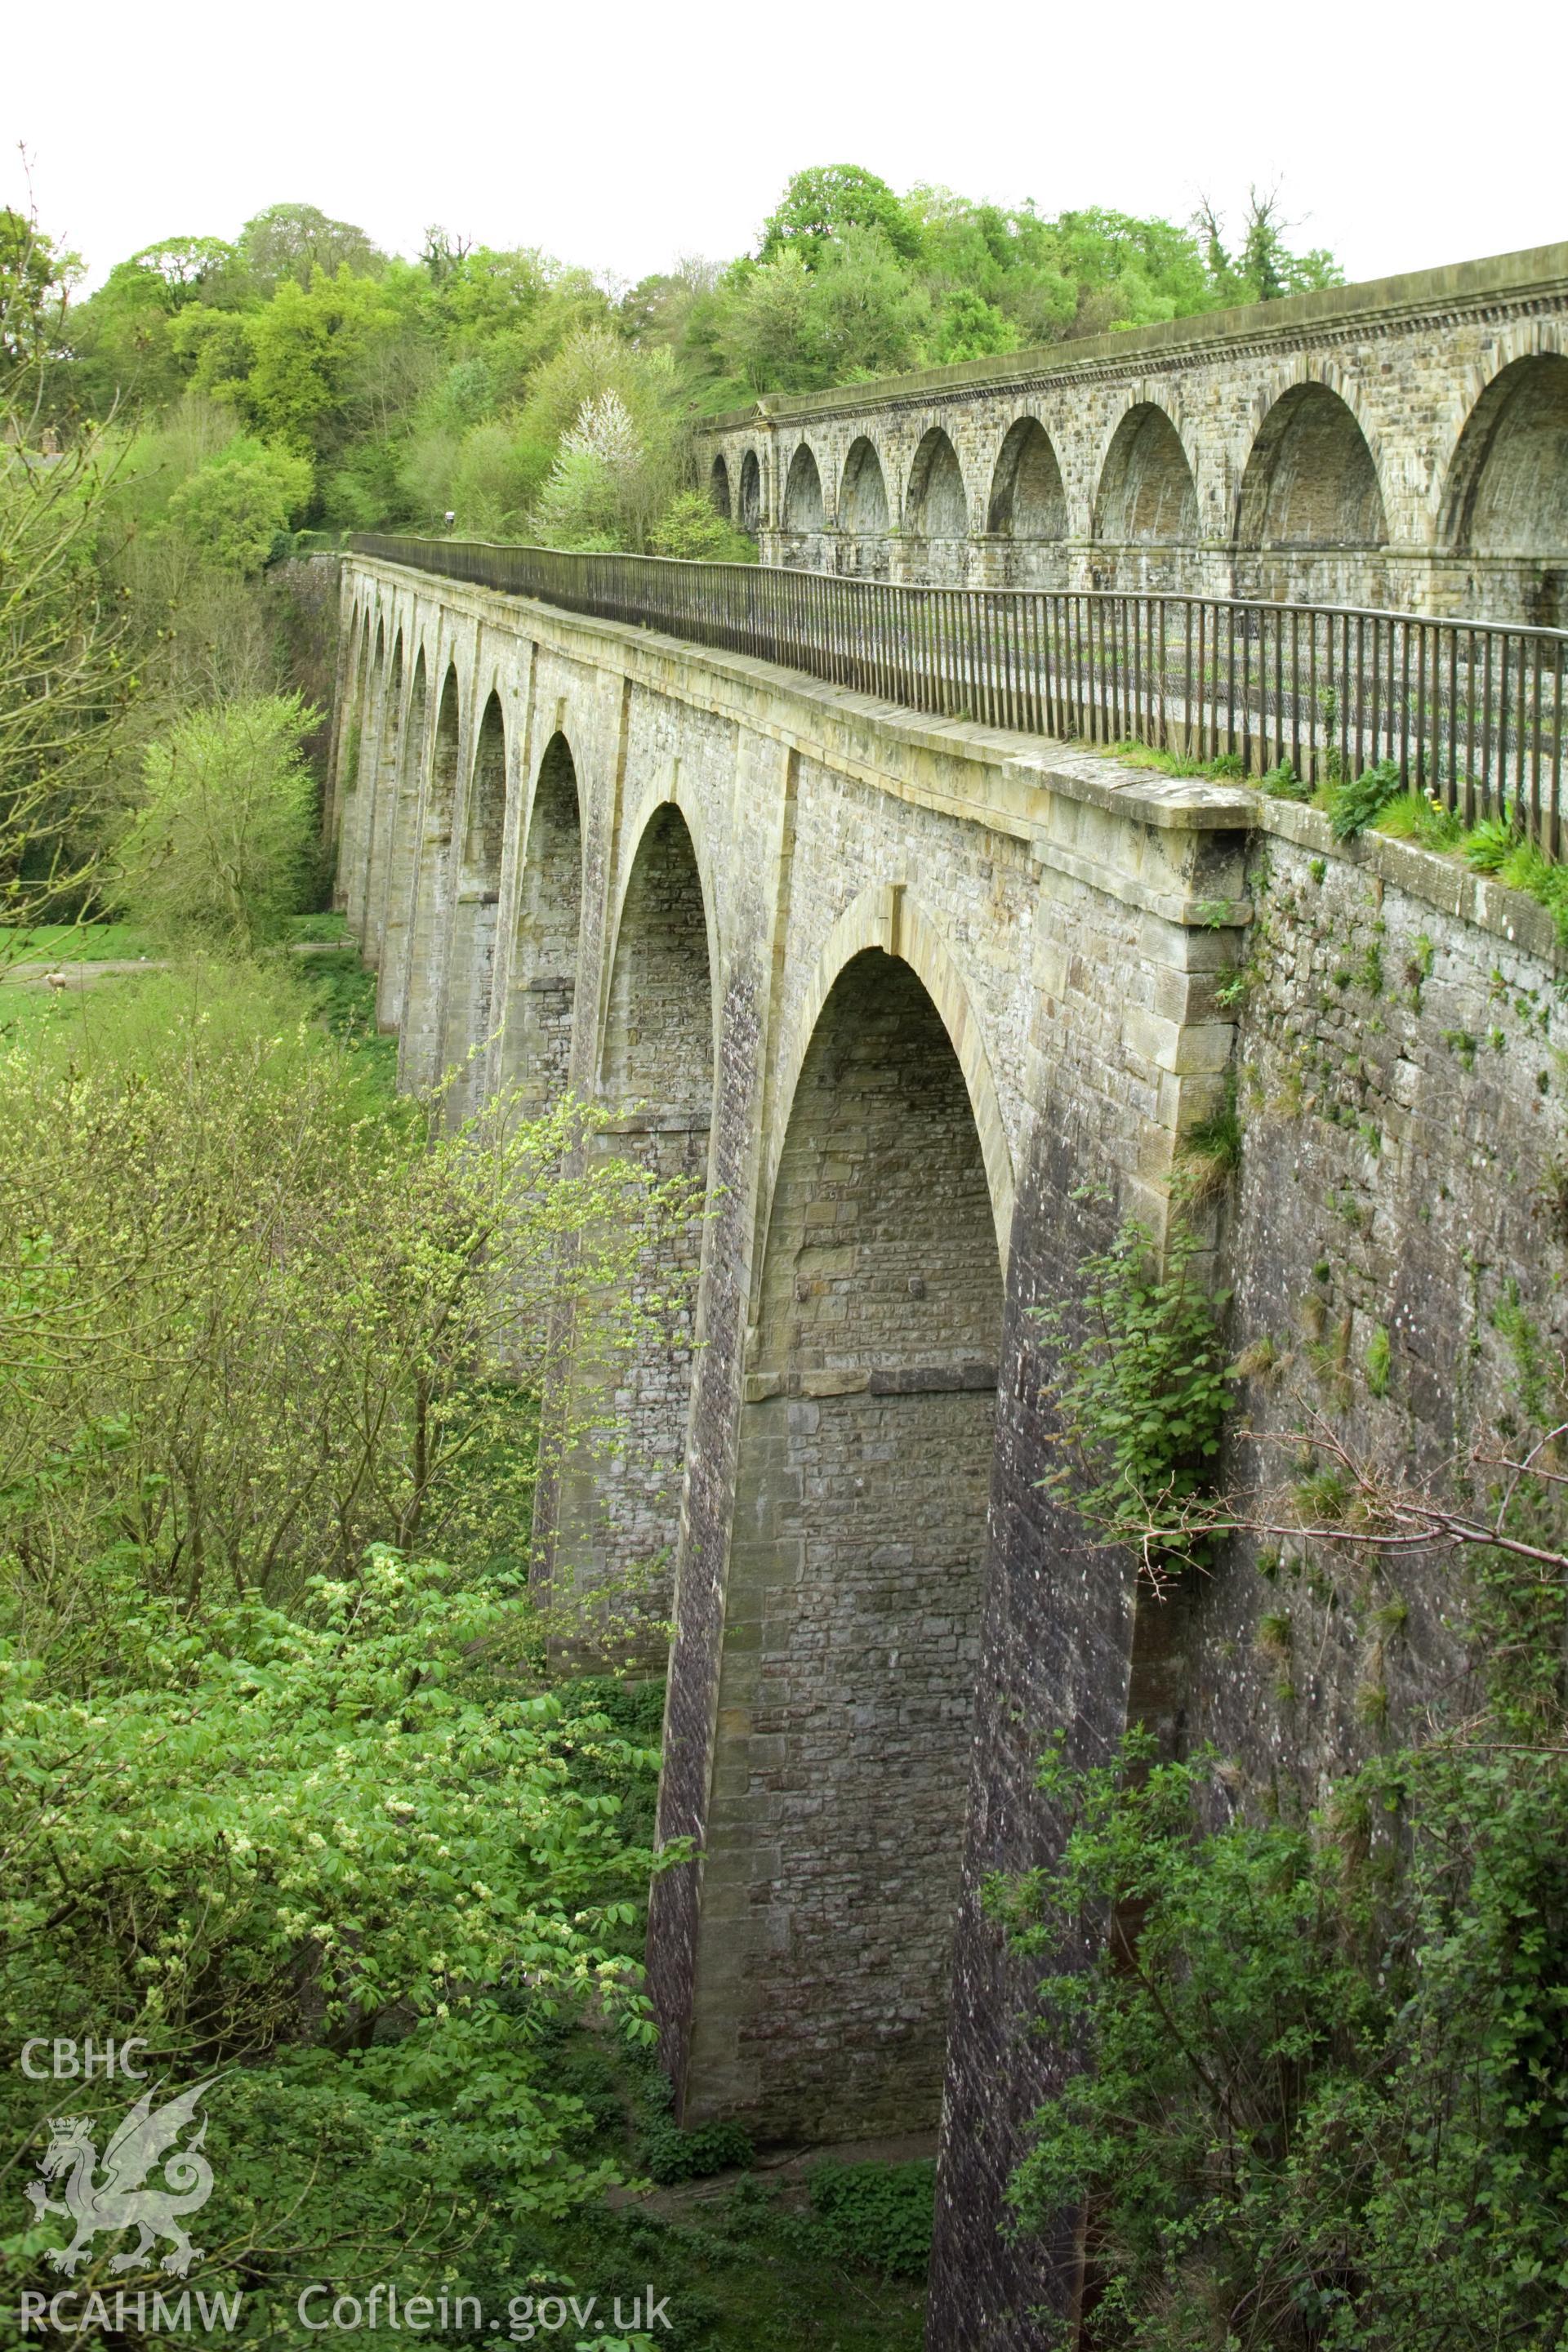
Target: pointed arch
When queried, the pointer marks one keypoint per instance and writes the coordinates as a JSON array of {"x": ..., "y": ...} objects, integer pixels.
[
  {"x": 875, "y": 921},
  {"x": 1028, "y": 499},
  {"x": 803, "y": 504},
  {"x": 402, "y": 865},
  {"x": 367, "y": 911},
  {"x": 357, "y": 822},
  {"x": 718, "y": 486},
  {"x": 419, "y": 1042},
  {"x": 863, "y": 496},
  {"x": 1147, "y": 497},
  {"x": 856, "y": 1574},
  {"x": 655, "y": 1078},
  {"x": 472, "y": 952},
  {"x": 536, "y": 1041},
  {"x": 751, "y": 514},
  {"x": 1311, "y": 478},
  {"x": 1507, "y": 491},
  {"x": 937, "y": 505}
]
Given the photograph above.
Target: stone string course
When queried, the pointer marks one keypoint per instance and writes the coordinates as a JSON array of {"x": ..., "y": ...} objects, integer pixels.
[{"x": 936, "y": 1006}]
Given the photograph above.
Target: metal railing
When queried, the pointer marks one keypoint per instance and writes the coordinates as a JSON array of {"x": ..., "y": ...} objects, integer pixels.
[{"x": 1473, "y": 712}]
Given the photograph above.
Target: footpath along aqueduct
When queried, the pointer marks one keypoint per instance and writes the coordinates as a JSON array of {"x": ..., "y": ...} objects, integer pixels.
[{"x": 799, "y": 883}]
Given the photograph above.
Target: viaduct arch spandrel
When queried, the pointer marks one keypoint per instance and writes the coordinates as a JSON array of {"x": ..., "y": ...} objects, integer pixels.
[
  {"x": 932, "y": 1009},
  {"x": 1400, "y": 444}
]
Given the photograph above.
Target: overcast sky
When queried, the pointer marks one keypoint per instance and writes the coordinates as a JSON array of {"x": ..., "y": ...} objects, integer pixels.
[{"x": 623, "y": 136}]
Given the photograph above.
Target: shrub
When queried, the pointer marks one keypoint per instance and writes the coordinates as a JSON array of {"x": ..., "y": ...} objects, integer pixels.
[
  {"x": 225, "y": 846},
  {"x": 1142, "y": 1388},
  {"x": 670, "y": 2154},
  {"x": 1325, "y": 2109},
  {"x": 690, "y": 528},
  {"x": 880, "y": 2214},
  {"x": 238, "y": 505}
]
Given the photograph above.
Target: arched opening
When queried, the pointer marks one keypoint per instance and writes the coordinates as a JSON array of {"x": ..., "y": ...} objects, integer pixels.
[
  {"x": 803, "y": 508},
  {"x": 418, "y": 1056},
  {"x": 1028, "y": 499},
  {"x": 863, "y": 502},
  {"x": 367, "y": 908},
  {"x": 402, "y": 861},
  {"x": 750, "y": 516},
  {"x": 356, "y": 761},
  {"x": 656, "y": 1080},
  {"x": 937, "y": 507},
  {"x": 718, "y": 488},
  {"x": 1147, "y": 494},
  {"x": 1508, "y": 496},
  {"x": 863, "y": 515},
  {"x": 471, "y": 956},
  {"x": 1310, "y": 480},
  {"x": 536, "y": 1043},
  {"x": 854, "y": 1595}
]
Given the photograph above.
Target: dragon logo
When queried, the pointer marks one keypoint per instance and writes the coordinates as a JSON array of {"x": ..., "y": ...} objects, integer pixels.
[{"x": 115, "y": 2198}]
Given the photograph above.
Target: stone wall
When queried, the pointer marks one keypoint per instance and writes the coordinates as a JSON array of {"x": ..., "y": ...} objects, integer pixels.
[
  {"x": 1402, "y": 443},
  {"x": 935, "y": 1008}
]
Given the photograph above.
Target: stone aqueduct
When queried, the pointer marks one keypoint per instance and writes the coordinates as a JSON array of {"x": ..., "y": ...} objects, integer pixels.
[
  {"x": 1402, "y": 443},
  {"x": 933, "y": 1007}
]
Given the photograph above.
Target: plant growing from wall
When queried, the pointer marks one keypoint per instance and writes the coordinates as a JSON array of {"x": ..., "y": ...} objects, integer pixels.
[{"x": 1139, "y": 1383}]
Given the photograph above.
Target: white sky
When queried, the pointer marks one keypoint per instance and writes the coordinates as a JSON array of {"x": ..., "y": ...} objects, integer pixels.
[{"x": 1404, "y": 135}]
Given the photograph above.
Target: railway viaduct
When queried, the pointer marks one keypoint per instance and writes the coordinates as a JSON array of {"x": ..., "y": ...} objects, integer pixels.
[
  {"x": 1401, "y": 444},
  {"x": 933, "y": 1008}
]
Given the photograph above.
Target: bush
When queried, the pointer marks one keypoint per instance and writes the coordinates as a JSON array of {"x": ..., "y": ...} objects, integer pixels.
[
  {"x": 880, "y": 2214},
  {"x": 1325, "y": 2112},
  {"x": 281, "y": 1831},
  {"x": 670, "y": 2154},
  {"x": 238, "y": 505},
  {"x": 224, "y": 847},
  {"x": 690, "y": 528}
]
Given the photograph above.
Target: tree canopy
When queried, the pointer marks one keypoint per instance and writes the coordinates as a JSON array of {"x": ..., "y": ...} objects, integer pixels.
[{"x": 473, "y": 380}]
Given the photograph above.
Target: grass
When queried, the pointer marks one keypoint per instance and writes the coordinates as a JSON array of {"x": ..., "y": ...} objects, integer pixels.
[
  {"x": 337, "y": 989},
  {"x": 47, "y": 944}
]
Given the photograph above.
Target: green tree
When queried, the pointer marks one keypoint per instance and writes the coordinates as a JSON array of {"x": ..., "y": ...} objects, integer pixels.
[
  {"x": 65, "y": 682},
  {"x": 121, "y": 340},
  {"x": 690, "y": 528},
  {"x": 295, "y": 241},
  {"x": 35, "y": 281},
  {"x": 235, "y": 508},
  {"x": 224, "y": 845},
  {"x": 829, "y": 202},
  {"x": 305, "y": 347}
]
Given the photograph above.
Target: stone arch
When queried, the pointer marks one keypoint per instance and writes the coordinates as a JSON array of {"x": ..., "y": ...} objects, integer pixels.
[
  {"x": 853, "y": 1602},
  {"x": 718, "y": 486},
  {"x": 536, "y": 1043},
  {"x": 1028, "y": 499},
  {"x": 750, "y": 511},
  {"x": 420, "y": 1038},
  {"x": 361, "y": 816},
  {"x": 884, "y": 916},
  {"x": 1147, "y": 496},
  {"x": 471, "y": 953},
  {"x": 1507, "y": 492},
  {"x": 803, "y": 502},
  {"x": 863, "y": 496},
  {"x": 937, "y": 505},
  {"x": 656, "y": 1081},
  {"x": 1311, "y": 478},
  {"x": 355, "y": 750},
  {"x": 402, "y": 836}
]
